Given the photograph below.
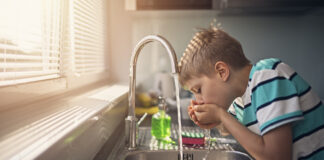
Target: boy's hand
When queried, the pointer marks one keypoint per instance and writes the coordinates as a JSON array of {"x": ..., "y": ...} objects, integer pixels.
[
  {"x": 193, "y": 117},
  {"x": 191, "y": 112},
  {"x": 208, "y": 114}
]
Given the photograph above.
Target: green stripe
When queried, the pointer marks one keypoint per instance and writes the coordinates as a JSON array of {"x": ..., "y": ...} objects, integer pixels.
[
  {"x": 272, "y": 90},
  {"x": 292, "y": 114},
  {"x": 263, "y": 64},
  {"x": 311, "y": 121},
  {"x": 300, "y": 84}
]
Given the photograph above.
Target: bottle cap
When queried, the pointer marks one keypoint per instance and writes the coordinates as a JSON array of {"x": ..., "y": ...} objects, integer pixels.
[{"x": 161, "y": 103}]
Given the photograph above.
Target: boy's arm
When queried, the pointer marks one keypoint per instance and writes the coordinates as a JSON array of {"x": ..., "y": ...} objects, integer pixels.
[{"x": 276, "y": 144}]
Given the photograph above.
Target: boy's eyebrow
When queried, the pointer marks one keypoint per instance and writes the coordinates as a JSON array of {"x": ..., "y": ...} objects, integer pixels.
[{"x": 193, "y": 89}]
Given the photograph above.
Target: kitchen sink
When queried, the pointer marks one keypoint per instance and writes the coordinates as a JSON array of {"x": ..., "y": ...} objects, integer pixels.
[{"x": 187, "y": 155}]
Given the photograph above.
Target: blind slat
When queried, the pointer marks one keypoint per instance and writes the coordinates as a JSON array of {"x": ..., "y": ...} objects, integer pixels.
[
  {"x": 26, "y": 57},
  {"x": 27, "y": 65},
  {"x": 5, "y": 75},
  {"x": 26, "y": 80},
  {"x": 89, "y": 33}
]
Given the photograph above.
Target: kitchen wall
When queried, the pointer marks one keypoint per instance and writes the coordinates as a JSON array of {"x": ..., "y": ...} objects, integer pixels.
[{"x": 296, "y": 39}]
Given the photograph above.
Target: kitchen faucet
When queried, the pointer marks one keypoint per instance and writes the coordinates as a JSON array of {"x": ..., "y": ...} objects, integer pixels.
[{"x": 131, "y": 119}]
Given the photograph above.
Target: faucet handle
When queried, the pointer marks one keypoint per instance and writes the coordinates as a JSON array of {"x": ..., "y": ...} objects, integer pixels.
[{"x": 142, "y": 119}]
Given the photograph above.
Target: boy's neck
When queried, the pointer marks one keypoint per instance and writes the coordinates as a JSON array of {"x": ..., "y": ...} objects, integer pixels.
[{"x": 242, "y": 79}]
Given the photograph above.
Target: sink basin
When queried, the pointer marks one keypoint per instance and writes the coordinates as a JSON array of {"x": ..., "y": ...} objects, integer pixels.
[{"x": 187, "y": 155}]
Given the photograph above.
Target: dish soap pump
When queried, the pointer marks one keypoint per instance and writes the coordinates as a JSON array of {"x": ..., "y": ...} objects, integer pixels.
[{"x": 161, "y": 122}]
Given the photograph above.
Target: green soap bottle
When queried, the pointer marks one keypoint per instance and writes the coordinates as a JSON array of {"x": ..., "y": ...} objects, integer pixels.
[{"x": 161, "y": 122}]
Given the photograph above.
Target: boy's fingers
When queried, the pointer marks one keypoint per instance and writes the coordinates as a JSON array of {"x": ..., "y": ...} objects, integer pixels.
[
  {"x": 194, "y": 117},
  {"x": 199, "y": 108},
  {"x": 194, "y": 102},
  {"x": 191, "y": 102},
  {"x": 189, "y": 108}
]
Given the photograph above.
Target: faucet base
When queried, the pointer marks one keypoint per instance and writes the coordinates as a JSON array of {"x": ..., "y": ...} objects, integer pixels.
[{"x": 130, "y": 128}]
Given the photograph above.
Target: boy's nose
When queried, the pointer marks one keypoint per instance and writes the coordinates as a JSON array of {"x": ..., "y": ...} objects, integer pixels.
[{"x": 199, "y": 99}]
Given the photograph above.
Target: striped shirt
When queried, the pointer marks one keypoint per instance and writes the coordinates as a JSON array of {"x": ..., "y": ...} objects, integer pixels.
[{"x": 277, "y": 95}]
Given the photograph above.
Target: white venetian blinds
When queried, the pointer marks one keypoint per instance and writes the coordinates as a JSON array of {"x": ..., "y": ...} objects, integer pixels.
[
  {"x": 30, "y": 32},
  {"x": 44, "y": 39},
  {"x": 88, "y": 30}
]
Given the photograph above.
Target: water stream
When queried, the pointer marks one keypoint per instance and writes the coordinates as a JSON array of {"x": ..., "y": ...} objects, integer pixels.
[
  {"x": 176, "y": 82},
  {"x": 208, "y": 139}
]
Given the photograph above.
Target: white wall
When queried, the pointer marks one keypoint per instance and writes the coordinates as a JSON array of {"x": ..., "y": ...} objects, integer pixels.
[{"x": 296, "y": 39}]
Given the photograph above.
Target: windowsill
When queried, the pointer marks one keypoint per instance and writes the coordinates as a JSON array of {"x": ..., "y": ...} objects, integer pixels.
[{"x": 28, "y": 131}]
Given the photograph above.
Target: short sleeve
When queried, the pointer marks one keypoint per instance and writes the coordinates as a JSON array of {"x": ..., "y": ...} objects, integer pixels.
[
  {"x": 275, "y": 99},
  {"x": 231, "y": 110}
]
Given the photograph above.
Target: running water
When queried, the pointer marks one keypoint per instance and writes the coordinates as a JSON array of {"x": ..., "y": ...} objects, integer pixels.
[
  {"x": 176, "y": 82},
  {"x": 207, "y": 135}
]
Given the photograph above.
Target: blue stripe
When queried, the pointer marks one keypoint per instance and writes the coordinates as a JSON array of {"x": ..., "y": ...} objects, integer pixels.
[
  {"x": 303, "y": 93},
  {"x": 232, "y": 114},
  {"x": 313, "y": 119},
  {"x": 267, "y": 81},
  {"x": 276, "y": 64},
  {"x": 308, "y": 133},
  {"x": 315, "y": 107},
  {"x": 238, "y": 106},
  {"x": 276, "y": 99},
  {"x": 251, "y": 123},
  {"x": 247, "y": 105},
  {"x": 319, "y": 152},
  {"x": 292, "y": 76},
  {"x": 284, "y": 119},
  {"x": 249, "y": 116},
  {"x": 300, "y": 84},
  {"x": 273, "y": 91},
  {"x": 239, "y": 113},
  {"x": 246, "y": 115},
  {"x": 263, "y": 64}
]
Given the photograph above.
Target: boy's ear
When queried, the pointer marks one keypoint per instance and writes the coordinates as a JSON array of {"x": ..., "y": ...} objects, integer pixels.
[{"x": 222, "y": 70}]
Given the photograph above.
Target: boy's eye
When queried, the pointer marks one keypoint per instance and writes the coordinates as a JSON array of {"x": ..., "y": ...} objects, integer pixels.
[{"x": 198, "y": 90}]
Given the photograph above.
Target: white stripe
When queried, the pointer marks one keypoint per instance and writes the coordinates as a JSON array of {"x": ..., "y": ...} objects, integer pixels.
[
  {"x": 309, "y": 144},
  {"x": 247, "y": 96},
  {"x": 239, "y": 101},
  {"x": 280, "y": 124},
  {"x": 262, "y": 75},
  {"x": 255, "y": 128},
  {"x": 231, "y": 109},
  {"x": 309, "y": 100},
  {"x": 285, "y": 70},
  {"x": 277, "y": 108}
]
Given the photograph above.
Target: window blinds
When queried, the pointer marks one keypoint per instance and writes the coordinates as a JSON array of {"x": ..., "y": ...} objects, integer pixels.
[
  {"x": 30, "y": 32},
  {"x": 88, "y": 32}
]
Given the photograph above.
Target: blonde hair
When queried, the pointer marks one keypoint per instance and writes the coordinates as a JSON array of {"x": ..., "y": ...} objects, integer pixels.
[{"x": 207, "y": 47}]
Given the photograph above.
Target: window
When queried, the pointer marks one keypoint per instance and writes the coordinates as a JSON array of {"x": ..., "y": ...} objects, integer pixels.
[
  {"x": 29, "y": 40},
  {"x": 88, "y": 33},
  {"x": 51, "y": 39}
]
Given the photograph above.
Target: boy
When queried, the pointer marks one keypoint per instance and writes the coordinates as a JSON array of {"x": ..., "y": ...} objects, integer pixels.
[{"x": 268, "y": 108}]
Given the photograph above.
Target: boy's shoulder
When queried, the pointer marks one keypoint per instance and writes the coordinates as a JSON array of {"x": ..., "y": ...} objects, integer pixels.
[
  {"x": 271, "y": 67},
  {"x": 269, "y": 63}
]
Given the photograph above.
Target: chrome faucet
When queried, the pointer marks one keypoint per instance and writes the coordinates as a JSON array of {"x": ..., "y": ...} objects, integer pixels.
[{"x": 131, "y": 119}]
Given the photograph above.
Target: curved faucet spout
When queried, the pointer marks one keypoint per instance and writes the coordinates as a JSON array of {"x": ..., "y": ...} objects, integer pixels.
[{"x": 131, "y": 119}]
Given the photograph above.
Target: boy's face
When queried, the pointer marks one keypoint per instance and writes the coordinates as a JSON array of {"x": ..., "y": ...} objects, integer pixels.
[{"x": 211, "y": 90}]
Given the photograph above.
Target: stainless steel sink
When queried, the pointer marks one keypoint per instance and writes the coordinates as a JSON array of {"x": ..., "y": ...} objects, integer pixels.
[{"x": 187, "y": 155}]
